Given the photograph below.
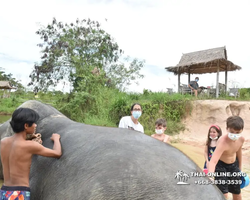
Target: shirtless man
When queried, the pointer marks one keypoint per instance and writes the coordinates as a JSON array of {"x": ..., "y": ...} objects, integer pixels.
[
  {"x": 16, "y": 154},
  {"x": 224, "y": 158}
]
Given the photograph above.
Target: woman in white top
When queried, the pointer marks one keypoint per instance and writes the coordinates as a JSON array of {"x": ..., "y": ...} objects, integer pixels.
[{"x": 131, "y": 122}]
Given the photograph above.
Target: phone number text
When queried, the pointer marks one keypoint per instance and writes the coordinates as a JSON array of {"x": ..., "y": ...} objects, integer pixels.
[{"x": 218, "y": 182}]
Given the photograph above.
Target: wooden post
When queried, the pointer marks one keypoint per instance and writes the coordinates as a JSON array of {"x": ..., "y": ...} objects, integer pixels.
[
  {"x": 226, "y": 80},
  {"x": 225, "y": 52},
  {"x": 179, "y": 82},
  {"x": 217, "y": 79},
  {"x": 188, "y": 75}
]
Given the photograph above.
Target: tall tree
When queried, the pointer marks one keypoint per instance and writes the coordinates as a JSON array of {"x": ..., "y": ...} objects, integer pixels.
[{"x": 70, "y": 52}]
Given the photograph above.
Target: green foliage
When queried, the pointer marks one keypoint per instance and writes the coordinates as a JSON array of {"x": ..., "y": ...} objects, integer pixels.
[
  {"x": 74, "y": 52},
  {"x": 171, "y": 110},
  {"x": 8, "y": 105},
  {"x": 123, "y": 76},
  {"x": 244, "y": 93},
  {"x": 88, "y": 107},
  {"x": 79, "y": 105},
  {"x": 119, "y": 108},
  {"x": 95, "y": 120}
]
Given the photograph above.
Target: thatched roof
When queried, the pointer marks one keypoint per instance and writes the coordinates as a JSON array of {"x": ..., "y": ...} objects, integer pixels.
[
  {"x": 5, "y": 85},
  {"x": 205, "y": 61}
]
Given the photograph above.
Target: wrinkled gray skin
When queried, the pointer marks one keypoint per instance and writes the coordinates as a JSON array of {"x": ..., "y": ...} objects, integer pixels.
[{"x": 100, "y": 163}]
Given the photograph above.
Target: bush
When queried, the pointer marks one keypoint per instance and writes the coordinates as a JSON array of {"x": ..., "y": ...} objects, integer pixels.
[{"x": 244, "y": 93}]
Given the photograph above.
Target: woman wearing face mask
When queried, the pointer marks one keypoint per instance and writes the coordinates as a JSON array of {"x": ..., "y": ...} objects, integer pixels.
[
  {"x": 160, "y": 127},
  {"x": 214, "y": 132},
  {"x": 131, "y": 122},
  {"x": 194, "y": 86}
]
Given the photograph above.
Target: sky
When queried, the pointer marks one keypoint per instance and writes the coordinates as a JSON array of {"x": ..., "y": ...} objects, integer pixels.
[{"x": 157, "y": 31}]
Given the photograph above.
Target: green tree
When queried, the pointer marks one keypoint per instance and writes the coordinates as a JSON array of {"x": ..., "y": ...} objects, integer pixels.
[{"x": 70, "y": 52}]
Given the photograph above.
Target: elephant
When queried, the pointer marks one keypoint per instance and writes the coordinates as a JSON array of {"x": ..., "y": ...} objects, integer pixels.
[{"x": 108, "y": 163}]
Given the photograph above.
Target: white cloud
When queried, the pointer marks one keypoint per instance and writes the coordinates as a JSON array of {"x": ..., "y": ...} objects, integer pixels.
[{"x": 158, "y": 31}]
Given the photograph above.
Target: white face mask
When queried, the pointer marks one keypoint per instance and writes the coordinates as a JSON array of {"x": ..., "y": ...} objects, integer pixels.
[
  {"x": 136, "y": 114},
  {"x": 158, "y": 131},
  {"x": 234, "y": 136},
  {"x": 213, "y": 138}
]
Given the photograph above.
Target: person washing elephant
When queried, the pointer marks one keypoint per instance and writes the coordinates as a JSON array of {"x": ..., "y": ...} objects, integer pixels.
[
  {"x": 16, "y": 154},
  {"x": 131, "y": 122}
]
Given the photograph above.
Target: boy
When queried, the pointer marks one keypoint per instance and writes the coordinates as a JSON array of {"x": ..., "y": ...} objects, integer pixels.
[
  {"x": 224, "y": 158},
  {"x": 160, "y": 127},
  {"x": 16, "y": 154}
]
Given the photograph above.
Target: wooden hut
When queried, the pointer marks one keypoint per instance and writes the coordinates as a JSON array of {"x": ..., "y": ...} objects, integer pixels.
[
  {"x": 5, "y": 85},
  {"x": 205, "y": 61}
]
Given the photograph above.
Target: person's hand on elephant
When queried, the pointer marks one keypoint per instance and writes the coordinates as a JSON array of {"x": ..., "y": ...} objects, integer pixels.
[{"x": 55, "y": 136}]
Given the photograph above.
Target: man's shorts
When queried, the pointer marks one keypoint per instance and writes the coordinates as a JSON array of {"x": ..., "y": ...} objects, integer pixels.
[
  {"x": 228, "y": 183},
  {"x": 14, "y": 193}
]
